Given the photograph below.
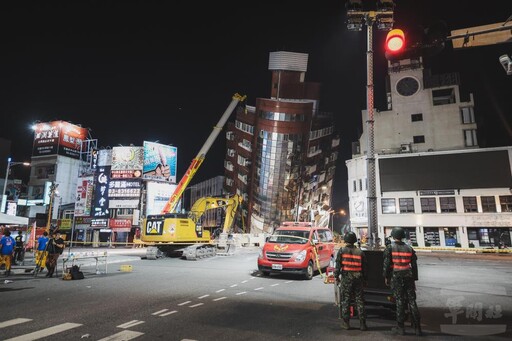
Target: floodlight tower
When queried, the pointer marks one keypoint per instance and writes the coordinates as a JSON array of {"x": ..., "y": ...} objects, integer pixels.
[{"x": 357, "y": 17}]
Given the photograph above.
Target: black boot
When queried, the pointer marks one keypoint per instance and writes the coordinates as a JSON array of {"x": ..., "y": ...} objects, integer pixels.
[
  {"x": 362, "y": 325},
  {"x": 8, "y": 273},
  {"x": 399, "y": 329},
  {"x": 417, "y": 330},
  {"x": 345, "y": 324}
]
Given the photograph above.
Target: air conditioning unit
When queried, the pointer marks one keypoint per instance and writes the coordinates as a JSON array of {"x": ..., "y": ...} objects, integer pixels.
[{"x": 405, "y": 148}]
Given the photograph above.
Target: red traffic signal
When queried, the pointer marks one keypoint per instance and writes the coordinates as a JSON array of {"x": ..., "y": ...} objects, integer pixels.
[{"x": 395, "y": 41}]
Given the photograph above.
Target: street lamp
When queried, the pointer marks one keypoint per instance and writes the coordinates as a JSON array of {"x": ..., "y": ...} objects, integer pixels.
[
  {"x": 10, "y": 163},
  {"x": 356, "y": 17}
]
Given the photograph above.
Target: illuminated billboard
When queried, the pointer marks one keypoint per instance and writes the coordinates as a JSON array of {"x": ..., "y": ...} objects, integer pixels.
[
  {"x": 160, "y": 162},
  {"x": 127, "y": 162},
  {"x": 58, "y": 137}
]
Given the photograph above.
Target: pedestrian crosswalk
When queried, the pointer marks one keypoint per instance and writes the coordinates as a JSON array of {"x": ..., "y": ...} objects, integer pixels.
[{"x": 53, "y": 331}]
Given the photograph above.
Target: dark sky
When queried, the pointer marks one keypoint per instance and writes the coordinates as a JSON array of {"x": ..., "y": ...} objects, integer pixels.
[{"x": 166, "y": 70}]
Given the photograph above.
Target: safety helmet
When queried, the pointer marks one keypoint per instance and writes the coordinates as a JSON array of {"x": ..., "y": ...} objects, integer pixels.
[
  {"x": 350, "y": 237},
  {"x": 398, "y": 233}
]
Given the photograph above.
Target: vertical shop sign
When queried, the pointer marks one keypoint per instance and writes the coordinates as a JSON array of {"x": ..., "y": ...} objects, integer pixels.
[{"x": 100, "y": 206}]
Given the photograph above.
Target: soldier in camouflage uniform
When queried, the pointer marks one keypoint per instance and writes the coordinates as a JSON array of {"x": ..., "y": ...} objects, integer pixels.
[
  {"x": 401, "y": 270},
  {"x": 351, "y": 265}
]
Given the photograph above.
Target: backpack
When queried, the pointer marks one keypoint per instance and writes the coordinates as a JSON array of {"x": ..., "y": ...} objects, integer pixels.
[{"x": 76, "y": 273}]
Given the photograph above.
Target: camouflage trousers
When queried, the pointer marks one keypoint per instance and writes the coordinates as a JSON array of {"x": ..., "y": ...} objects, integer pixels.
[
  {"x": 352, "y": 291},
  {"x": 404, "y": 291}
]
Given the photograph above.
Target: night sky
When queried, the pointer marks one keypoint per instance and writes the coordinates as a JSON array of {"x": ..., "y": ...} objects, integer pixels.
[{"x": 166, "y": 70}]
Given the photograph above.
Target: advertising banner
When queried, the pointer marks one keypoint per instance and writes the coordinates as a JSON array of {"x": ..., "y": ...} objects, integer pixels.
[
  {"x": 157, "y": 196},
  {"x": 126, "y": 188},
  {"x": 58, "y": 137},
  {"x": 104, "y": 157},
  {"x": 160, "y": 162},
  {"x": 84, "y": 191},
  {"x": 100, "y": 202},
  {"x": 127, "y": 162}
]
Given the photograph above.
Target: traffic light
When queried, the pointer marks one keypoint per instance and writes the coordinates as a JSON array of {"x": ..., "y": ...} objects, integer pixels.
[{"x": 395, "y": 44}]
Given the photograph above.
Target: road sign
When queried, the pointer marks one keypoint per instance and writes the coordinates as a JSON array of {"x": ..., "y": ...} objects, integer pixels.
[{"x": 491, "y": 34}]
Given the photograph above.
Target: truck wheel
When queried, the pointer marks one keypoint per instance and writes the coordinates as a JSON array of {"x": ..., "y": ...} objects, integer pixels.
[
  {"x": 309, "y": 271},
  {"x": 265, "y": 273}
]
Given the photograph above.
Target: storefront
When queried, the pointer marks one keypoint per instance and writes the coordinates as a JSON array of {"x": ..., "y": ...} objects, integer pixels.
[
  {"x": 489, "y": 237},
  {"x": 410, "y": 234}
]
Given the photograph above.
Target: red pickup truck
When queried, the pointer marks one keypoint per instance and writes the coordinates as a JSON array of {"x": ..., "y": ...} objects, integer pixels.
[{"x": 297, "y": 248}]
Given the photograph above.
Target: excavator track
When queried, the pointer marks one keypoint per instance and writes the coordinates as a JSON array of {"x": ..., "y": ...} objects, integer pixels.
[{"x": 199, "y": 251}]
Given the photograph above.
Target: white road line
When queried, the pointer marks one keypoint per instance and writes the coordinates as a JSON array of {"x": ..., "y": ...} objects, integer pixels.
[
  {"x": 288, "y": 282},
  {"x": 245, "y": 281},
  {"x": 130, "y": 324},
  {"x": 122, "y": 336},
  {"x": 234, "y": 285},
  {"x": 45, "y": 332},
  {"x": 13, "y": 322},
  {"x": 183, "y": 303},
  {"x": 159, "y": 312},
  {"x": 196, "y": 305},
  {"x": 169, "y": 313},
  {"x": 260, "y": 288},
  {"x": 241, "y": 293},
  {"x": 201, "y": 297},
  {"x": 252, "y": 277},
  {"x": 220, "y": 290},
  {"x": 276, "y": 284},
  {"x": 220, "y": 298}
]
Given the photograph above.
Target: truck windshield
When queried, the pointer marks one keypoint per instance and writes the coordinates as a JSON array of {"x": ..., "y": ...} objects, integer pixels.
[{"x": 289, "y": 237}]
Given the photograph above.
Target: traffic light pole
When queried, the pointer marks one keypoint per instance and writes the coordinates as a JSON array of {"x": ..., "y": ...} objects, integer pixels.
[{"x": 370, "y": 155}]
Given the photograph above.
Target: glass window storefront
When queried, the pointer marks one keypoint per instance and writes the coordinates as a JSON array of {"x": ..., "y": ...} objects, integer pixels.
[
  {"x": 489, "y": 237},
  {"x": 431, "y": 236},
  {"x": 450, "y": 236}
]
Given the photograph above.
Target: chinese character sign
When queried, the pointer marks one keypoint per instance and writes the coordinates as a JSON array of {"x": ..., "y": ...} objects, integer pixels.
[
  {"x": 100, "y": 203},
  {"x": 58, "y": 137},
  {"x": 127, "y": 162}
]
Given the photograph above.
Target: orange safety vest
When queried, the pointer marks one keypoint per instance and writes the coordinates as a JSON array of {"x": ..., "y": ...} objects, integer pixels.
[
  {"x": 352, "y": 260},
  {"x": 401, "y": 255}
]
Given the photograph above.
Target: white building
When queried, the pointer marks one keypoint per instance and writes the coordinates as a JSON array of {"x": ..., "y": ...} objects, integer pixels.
[{"x": 431, "y": 176}]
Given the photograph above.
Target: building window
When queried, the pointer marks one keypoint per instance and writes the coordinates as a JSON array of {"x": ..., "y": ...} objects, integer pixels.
[
  {"x": 488, "y": 204},
  {"x": 470, "y": 139},
  {"x": 447, "y": 204},
  {"x": 506, "y": 203},
  {"x": 467, "y": 115},
  {"x": 406, "y": 205},
  {"x": 388, "y": 205},
  {"x": 470, "y": 204},
  {"x": 443, "y": 96},
  {"x": 416, "y": 117},
  {"x": 428, "y": 205},
  {"x": 360, "y": 184},
  {"x": 418, "y": 139},
  {"x": 355, "y": 186}
]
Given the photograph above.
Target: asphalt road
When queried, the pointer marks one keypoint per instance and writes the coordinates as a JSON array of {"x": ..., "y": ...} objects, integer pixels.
[{"x": 225, "y": 298}]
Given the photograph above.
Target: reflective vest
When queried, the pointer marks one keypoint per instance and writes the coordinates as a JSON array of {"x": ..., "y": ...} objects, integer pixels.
[
  {"x": 351, "y": 259},
  {"x": 401, "y": 255}
]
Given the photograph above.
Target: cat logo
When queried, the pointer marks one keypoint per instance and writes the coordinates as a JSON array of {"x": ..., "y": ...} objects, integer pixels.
[
  {"x": 154, "y": 227},
  {"x": 280, "y": 247}
]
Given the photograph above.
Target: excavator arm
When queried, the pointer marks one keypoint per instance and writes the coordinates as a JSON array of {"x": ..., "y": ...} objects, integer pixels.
[
  {"x": 170, "y": 206},
  {"x": 204, "y": 204}
]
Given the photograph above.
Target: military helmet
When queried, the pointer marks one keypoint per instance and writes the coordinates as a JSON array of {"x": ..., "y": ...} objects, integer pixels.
[
  {"x": 350, "y": 237},
  {"x": 398, "y": 233}
]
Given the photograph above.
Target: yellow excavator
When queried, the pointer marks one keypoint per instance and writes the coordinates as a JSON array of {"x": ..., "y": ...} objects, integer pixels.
[
  {"x": 185, "y": 234},
  {"x": 170, "y": 231}
]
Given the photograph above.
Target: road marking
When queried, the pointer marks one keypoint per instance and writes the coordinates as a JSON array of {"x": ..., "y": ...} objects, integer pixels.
[
  {"x": 122, "y": 336},
  {"x": 159, "y": 312},
  {"x": 196, "y": 305},
  {"x": 130, "y": 324},
  {"x": 245, "y": 281},
  {"x": 288, "y": 282},
  {"x": 220, "y": 298},
  {"x": 220, "y": 290},
  {"x": 183, "y": 303},
  {"x": 13, "y": 322},
  {"x": 234, "y": 285},
  {"x": 201, "y": 297},
  {"x": 260, "y": 288},
  {"x": 45, "y": 332},
  {"x": 252, "y": 278},
  {"x": 276, "y": 284},
  {"x": 169, "y": 313},
  {"x": 241, "y": 293}
]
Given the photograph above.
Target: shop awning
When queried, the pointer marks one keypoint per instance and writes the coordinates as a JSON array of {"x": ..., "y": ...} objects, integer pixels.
[{"x": 6, "y": 219}]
